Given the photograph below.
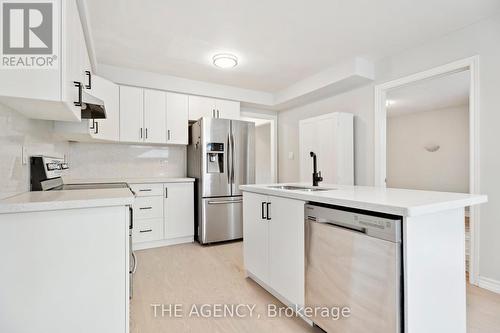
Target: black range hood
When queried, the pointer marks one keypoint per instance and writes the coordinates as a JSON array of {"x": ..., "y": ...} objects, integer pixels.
[{"x": 92, "y": 107}]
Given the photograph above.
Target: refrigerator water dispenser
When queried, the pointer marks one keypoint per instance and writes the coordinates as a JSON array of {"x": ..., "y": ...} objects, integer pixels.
[{"x": 215, "y": 157}]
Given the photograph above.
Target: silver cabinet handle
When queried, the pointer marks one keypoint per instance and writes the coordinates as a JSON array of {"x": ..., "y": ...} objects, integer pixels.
[
  {"x": 224, "y": 202},
  {"x": 144, "y": 208},
  {"x": 134, "y": 268}
]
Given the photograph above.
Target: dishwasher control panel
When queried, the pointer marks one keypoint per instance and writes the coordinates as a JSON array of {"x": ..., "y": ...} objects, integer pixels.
[{"x": 382, "y": 227}]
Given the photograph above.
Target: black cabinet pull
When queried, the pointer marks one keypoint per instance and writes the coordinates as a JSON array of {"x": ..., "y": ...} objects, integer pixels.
[
  {"x": 89, "y": 75},
  {"x": 93, "y": 124},
  {"x": 145, "y": 190},
  {"x": 141, "y": 132},
  {"x": 147, "y": 230},
  {"x": 96, "y": 128},
  {"x": 146, "y": 132},
  {"x": 268, "y": 217},
  {"x": 144, "y": 208},
  {"x": 79, "y": 86},
  {"x": 166, "y": 192},
  {"x": 262, "y": 211},
  {"x": 217, "y": 113}
]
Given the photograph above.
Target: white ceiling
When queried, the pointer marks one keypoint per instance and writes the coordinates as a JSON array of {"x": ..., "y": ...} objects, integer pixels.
[
  {"x": 278, "y": 42},
  {"x": 434, "y": 94}
]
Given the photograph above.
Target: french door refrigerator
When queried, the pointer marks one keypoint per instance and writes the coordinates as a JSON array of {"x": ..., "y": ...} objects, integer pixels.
[{"x": 221, "y": 157}]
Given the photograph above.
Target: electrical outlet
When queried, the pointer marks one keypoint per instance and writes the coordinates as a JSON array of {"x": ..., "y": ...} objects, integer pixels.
[{"x": 24, "y": 155}]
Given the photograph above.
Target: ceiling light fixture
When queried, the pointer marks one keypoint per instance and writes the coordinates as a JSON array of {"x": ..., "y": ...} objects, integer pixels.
[
  {"x": 389, "y": 103},
  {"x": 225, "y": 60}
]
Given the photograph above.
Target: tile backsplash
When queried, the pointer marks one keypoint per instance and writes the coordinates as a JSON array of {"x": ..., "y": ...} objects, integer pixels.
[
  {"x": 87, "y": 160},
  {"x": 36, "y": 136},
  {"x": 112, "y": 160}
]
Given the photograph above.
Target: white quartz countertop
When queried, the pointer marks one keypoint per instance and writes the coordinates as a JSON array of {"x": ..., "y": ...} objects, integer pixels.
[
  {"x": 68, "y": 180},
  {"x": 386, "y": 200},
  {"x": 70, "y": 199}
]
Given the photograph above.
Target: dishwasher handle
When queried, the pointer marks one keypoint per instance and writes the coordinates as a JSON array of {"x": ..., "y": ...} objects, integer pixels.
[{"x": 346, "y": 226}]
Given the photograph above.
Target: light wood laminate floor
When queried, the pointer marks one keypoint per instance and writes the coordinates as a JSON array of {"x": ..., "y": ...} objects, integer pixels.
[{"x": 190, "y": 274}]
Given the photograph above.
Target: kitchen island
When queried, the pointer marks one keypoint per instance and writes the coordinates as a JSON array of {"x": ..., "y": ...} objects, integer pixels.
[{"x": 433, "y": 285}]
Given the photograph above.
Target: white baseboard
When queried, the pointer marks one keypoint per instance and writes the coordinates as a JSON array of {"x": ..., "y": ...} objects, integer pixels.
[
  {"x": 163, "y": 242},
  {"x": 489, "y": 284}
]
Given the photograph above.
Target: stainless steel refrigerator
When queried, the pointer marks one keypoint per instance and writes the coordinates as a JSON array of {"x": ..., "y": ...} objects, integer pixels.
[{"x": 221, "y": 157}]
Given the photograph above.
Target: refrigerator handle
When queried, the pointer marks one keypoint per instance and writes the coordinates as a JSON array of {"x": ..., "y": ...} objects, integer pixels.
[
  {"x": 232, "y": 158},
  {"x": 228, "y": 150}
]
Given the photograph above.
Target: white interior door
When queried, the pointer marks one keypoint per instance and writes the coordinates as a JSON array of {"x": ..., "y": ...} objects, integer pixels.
[
  {"x": 131, "y": 114},
  {"x": 177, "y": 118},
  {"x": 155, "y": 113}
]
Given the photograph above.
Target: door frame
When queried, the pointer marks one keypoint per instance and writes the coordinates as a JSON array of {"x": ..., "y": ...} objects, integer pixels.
[
  {"x": 472, "y": 65},
  {"x": 274, "y": 139}
]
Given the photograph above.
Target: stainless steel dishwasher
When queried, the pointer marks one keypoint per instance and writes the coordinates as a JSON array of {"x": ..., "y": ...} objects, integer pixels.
[{"x": 353, "y": 259}]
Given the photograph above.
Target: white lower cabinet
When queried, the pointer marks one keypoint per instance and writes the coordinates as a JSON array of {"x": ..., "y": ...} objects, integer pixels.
[
  {"x": 179, "y": 210},
  {"x": 273, "y": 233},
  {"x": 163, "y": 214}
]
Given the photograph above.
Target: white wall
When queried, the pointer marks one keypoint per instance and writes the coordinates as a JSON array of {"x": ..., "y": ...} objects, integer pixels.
[
  {"x": 18, "y": 131},
  {"x": 113, "y": 160},
  {"x": 480, "y": 39},
  {"x": 410, "y": 165},
  {"x": 263, "y": 154}
]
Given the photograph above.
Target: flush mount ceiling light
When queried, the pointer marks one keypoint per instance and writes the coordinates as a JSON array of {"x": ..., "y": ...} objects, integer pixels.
[
  {"x": 389, "y": 103},
  {"x": 225, "y": 60}
]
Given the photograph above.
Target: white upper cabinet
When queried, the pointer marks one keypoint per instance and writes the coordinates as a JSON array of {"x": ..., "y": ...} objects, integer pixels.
[
  {"x": 106, "y": 129},
  {"x": 131, "y": 114},
  {"x": 51, "y": 93},
  {"x": 154, "y": 116},
  {"x": 201, "y": 107},
  {"x": 209, "y": 107},
  {"x": 142, "y": 115},
  {"x": 227, "y": 109},
  {"x": 177, "y": 118}
]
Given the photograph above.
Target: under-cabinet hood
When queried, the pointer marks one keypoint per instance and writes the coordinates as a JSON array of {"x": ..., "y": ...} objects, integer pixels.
[{"x": 92, "y": 107}]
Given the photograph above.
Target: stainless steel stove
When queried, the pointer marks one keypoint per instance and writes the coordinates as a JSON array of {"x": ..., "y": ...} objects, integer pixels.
[{"x": 46, "y": 175}]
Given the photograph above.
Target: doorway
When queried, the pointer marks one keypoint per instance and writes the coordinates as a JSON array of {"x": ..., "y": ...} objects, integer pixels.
[
  {"x": 265, "y": 146},
  {"x": 432, "y": 145}
]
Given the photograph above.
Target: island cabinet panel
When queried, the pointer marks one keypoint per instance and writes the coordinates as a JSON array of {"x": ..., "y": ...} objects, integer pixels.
[
  {"x": 256, "y": 236},
  {"x": 273, "y": 233}
]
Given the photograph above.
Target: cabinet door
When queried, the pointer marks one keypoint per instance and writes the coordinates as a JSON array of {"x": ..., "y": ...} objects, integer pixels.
[
  {"x": 177, "y": 118},
  {"x": 227, "y": 109},
  {"x": 255, "y": 235},
  {"x": 72, "y": 55},
  {"x": 179, "y": 210},
  {"x": 109, "y": 128},
  {"x": 286, "y": 248},
  {"x": 155, "y": 112},
  {"x": 201, "y": 107},
  {"x": 131, "y": 114}
]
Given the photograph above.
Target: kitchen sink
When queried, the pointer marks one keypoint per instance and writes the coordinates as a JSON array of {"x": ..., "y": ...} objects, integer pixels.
[{"x": 300, "y": 188}]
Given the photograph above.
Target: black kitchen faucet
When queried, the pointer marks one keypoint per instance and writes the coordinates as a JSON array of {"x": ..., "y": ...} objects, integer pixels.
[{"x": 316, "y": 174}]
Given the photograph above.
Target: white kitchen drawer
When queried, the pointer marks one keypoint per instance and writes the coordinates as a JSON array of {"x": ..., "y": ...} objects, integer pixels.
[
  {"x": 147, "y": 230},
  {"x": 148, "y": 207},
  {"x": 147, "y": 190}
]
